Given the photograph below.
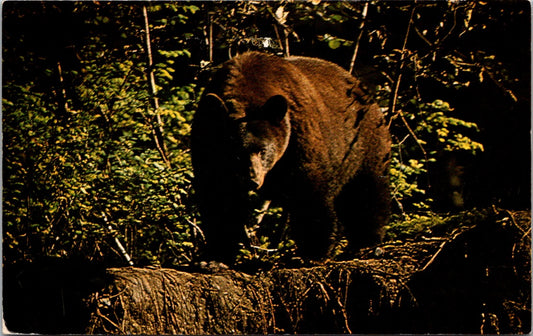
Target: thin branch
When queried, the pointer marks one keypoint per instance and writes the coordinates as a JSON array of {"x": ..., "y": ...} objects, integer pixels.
[
  {"x": 392, "y": 103},
  {"x": 63, "y": 99},
  {"x": 287, "y": 30},
  {"x": 108, "y": 320},
  {"x": 276, "y": 30},
  {"x": 151, "y": 77},
  {"x": 121, "y": 248},
  {"x": 454, "y": 235},
  {"x": 361, "y": 29},
  {"x": 286, "y": 33},
  {"x": 438, "y": 42},
  {"x": 210, "y": 37},
  {"x": 419, "y": 33},
  {"x": 196, "y": 228},
  {"x": 157, "y": 130},
  {"x": 418, "y": 142},
  {"x": 206, "y": 37}
]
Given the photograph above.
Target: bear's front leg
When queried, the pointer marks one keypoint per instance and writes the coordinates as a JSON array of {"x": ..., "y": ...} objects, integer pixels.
[
  {"x": 363, "y": 208},
  {"x": 224, "y": 222},
  {"x": 314, "y": 228}
]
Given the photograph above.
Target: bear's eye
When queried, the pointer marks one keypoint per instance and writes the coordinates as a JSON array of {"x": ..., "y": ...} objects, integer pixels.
[{"x": 263, "y": 153}]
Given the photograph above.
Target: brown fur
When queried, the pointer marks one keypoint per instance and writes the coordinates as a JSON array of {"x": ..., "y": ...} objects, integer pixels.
[{"x": 325, "y": 160}]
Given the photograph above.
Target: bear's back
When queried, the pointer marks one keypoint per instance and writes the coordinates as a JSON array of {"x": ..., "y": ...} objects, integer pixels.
[
  {"x": 257, "y": 76},
  {"x": 344, "y": 107},
  {"x": 326, "y": 106},
  {"x": 251, "y": 78},
  {"x": 334, "y": 84}
]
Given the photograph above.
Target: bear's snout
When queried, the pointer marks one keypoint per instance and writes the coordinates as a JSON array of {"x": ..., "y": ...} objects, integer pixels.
[{"x": 257, "y": 172}]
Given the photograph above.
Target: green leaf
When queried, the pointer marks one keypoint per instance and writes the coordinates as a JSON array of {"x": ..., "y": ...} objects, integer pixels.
[{"x": 334, "y": 43}]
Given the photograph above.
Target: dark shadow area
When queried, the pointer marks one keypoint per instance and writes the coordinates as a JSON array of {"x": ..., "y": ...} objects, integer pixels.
[{"x": 48, "y": 297}]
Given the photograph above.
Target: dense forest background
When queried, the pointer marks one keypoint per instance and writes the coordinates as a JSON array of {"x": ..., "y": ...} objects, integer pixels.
[{"x": 98, "y": 99}]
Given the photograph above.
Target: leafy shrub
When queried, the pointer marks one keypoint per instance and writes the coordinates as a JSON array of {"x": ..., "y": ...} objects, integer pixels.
[
  {"x": 89, "y": 158},
  {"x": 79, "y": 179}
]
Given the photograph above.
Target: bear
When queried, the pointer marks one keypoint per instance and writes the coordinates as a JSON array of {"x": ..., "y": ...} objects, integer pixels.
[{"x": 298, "y": 131}]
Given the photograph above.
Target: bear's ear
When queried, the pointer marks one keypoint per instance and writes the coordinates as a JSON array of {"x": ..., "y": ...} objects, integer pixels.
[
  {"x": 274, "y": 109},
  {"x": 215, "y": 102}
]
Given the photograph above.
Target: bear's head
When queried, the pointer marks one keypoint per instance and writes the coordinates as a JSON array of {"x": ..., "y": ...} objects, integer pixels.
[{"x": 256, "y": 138}]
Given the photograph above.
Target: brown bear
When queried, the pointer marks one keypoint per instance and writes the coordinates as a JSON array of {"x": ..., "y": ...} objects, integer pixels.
[{"x": 299, "y": 131}]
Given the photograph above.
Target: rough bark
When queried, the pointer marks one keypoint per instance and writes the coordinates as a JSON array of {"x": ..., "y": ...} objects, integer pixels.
[{"x": 469, "y": 278}]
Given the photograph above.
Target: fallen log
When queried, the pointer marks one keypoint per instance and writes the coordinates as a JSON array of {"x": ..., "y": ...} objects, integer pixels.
[{"x": 473, "y": 277}]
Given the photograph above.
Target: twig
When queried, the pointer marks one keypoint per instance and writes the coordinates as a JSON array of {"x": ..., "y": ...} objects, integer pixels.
[
  {"x": 417, "y": 31},
  {"x": 434, "y": 256},
  {"x": 108, "y": 320},
  {"x": 438, "y": 42},
  {"x": 210, "y": 37},
  {"x": 206, "y": 36},
  {"x": 262, "y": 211},
  {"x": 281, "y": 20},
  {"x": 287, "y": 52},
  {"x": 392, "y": 103},
  {"x": 62, "y": 88},
  {"x": 343, "y": 305},
  {"x": 196, "y": 227},
  {"x": 515, "y": 223},
  {"x": 441, "y": 247},
  {"x": 513, "y": 251},
  {"x": 151, "y": 78},
  {"x": 418, "y": 142},
  {"x": 361, "y": 29},
  {"x": 278, "y": 37},
  {"x": 157, "y": 131},
  {"x": 121, "y": 248}
]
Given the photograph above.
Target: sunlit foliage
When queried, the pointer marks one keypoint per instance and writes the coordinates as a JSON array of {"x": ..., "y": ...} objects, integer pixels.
[{"x": 82, "y": 164}]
